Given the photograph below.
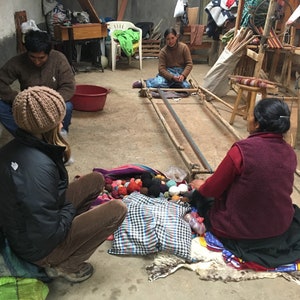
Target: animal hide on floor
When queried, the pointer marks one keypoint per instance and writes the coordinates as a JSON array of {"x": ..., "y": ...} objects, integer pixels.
[{"x": 210, "y": 266}]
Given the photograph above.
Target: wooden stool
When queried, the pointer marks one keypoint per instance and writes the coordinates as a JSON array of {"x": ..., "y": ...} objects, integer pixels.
[{"x": 250, "y": 102}]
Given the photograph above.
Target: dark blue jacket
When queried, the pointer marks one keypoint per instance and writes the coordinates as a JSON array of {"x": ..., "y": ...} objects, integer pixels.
[{"x": 35, "y": 215}]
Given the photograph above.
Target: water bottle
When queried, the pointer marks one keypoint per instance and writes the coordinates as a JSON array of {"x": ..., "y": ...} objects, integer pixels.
[{"x": 197, "y": 227}]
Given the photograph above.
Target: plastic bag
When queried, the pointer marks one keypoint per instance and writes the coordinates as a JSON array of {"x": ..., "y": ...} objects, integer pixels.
[
  {"x": 56, "y": 16},
  {"x": 179, "y": 8},
  {"x": 176, "y": 174},
  {"x": 29, "y": 25},
  {"x": 81, "y": 17}
]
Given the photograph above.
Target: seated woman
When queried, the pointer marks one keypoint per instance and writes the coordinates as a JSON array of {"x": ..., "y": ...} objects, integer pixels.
[
  {"x": 174, "y": 66},
  {"x": 46, "y": 220},
  {"x": 247, "y": 202}
]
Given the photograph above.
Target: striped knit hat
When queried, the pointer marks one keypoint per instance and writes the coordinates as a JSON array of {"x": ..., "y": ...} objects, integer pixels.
[{"x": 38, "y": 109}]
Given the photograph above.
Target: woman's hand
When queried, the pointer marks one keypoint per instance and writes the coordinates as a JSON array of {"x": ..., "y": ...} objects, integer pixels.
[
  {"x": 196, "y": 183},
  {"x": 179, "y": 78}
]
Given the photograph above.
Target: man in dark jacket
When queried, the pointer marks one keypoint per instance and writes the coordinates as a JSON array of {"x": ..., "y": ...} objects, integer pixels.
[{"x": 39, "y": 66}]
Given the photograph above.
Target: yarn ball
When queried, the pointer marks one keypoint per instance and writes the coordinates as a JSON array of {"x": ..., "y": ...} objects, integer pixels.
[
  {"x": 133, "y": 186},
  {"x": 183, "y": 188},
  {"x": 175, "y": 197},
  {"x": 146, "y": 179},
  {"x": 122, "y": 190},
  {"x": 108, "y": 187},
  {"x": 147, "y": 182},
  {"x": 154, "y": 190},
  {"x": 144, "y": 190},
  {"x": 171, "y": 182},
  {"x": 104, "y": 61},
  {"x": 115, "y": 194},
  {"x": 163, "y": 188},
  {"x": 174, "y": 190}
]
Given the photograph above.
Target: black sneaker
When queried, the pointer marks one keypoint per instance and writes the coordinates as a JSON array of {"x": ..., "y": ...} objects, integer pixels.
[{"x": 84, "y": 272}]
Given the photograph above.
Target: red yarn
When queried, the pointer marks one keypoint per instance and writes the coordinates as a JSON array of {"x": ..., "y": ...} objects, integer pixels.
[
  {"x": 122, "y": 190},
  {"x": 133, "y": 186}
]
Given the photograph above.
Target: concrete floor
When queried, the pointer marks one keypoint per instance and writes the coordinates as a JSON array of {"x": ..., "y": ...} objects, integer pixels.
[{"x": 128, "y": 130}]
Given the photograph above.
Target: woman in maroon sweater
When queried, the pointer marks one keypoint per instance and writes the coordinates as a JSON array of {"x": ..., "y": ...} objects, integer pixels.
[{"x": 247, "y": 201}]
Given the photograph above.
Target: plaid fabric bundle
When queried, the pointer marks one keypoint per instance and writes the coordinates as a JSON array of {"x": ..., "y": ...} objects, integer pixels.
[{"x": 152, "y": 225}]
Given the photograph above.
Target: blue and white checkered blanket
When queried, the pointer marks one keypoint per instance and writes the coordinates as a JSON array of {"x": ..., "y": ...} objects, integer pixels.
[{"x": 153, "y": 225}]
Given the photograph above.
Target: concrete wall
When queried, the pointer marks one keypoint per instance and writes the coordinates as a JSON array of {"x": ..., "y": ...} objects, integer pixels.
[
  {"x": 137, "y": 11},
  {"x": 8, "y": 43}
]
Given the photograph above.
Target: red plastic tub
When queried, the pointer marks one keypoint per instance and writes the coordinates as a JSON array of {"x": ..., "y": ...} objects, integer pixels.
[{"x": 89, "y": 97}]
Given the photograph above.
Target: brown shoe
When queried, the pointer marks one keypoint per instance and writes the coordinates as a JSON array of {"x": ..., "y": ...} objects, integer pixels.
[{"x": 84, "y": 272}]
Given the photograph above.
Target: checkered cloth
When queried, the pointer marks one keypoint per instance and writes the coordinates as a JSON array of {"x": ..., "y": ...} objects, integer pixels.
[{"x": 153, "y": 225}]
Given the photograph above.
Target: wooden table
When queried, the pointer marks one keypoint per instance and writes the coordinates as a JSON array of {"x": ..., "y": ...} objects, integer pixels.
[{"x": 70, "y": 35}]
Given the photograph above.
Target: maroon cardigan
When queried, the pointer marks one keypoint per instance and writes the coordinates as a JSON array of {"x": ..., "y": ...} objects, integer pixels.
[{"x": 253, "y": 187}]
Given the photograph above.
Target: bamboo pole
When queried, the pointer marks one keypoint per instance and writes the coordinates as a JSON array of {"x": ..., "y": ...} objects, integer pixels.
[
  {"x": 186, "y": 134},
  {"x": 239, "y": 16},
  {"x": 223, "y": 121},
  {"x": 170, "y": 89},
  {"x": 178, "y": 146},
  {"x": 215, "y": 97},
  {"x": 266, "y": 32}
]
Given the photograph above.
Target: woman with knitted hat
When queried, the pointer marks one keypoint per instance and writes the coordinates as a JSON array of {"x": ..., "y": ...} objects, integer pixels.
[{"x": 45, "y": 220}]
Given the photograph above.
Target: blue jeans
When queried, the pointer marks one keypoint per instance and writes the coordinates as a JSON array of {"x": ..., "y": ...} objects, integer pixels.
[
  {"x": 7, "y": 120},
  {"x": 161, "y": 82}
]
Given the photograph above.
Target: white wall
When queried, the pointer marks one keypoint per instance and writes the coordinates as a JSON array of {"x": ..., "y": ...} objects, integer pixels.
[{"x": 33, "y": 10}]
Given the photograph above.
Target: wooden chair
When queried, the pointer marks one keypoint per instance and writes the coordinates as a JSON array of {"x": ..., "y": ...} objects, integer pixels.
[
  {"x": 123, "y": 25},
  {"x": 20, "y": 17},
  {"x": 245, "y": 110}
]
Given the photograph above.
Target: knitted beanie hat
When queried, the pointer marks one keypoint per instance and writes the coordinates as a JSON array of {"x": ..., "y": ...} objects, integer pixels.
[{"x": 38, "y": 109}]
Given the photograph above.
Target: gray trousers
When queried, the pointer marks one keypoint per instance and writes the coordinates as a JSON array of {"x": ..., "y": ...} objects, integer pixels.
[{"x": 90, "y": 228}]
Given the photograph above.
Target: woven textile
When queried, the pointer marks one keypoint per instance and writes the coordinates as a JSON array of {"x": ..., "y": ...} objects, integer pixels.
[
  {"x": 153, "y": 225},
  {"x": 252, "y": 81}
]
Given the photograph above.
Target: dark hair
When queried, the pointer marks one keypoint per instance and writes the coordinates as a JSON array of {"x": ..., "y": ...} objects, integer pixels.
[
  {"x": 170, "y": 30},
  {"x": 272, "y": 115},
  {"x": 38, "y": 41}
]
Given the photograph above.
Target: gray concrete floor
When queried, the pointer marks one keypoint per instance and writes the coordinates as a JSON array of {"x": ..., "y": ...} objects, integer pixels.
[{"x": 128, "y": 130}]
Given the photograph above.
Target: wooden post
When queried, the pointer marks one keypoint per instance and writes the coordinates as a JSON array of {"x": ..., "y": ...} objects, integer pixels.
[
  {"x": 20, "y": 17},
  {"x": 238, "y": 16},
  {"x": 266, "y": 32},
  {"x": 297, "y": 139},
  {"x": 122, "y": 7}
]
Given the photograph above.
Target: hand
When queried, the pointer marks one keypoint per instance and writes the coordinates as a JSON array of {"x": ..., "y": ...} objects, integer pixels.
[
  {"x": 196, "y": 183},
  {"x": 179, "y": 78}
]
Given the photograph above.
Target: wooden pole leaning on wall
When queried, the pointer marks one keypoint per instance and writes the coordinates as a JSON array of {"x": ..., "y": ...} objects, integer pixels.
[
  {"x": 238, "y": 16},
  {"x": 20, "y": 17},
  {"x": 264, "y": 38},
  {"x": 122, "y": 4}
]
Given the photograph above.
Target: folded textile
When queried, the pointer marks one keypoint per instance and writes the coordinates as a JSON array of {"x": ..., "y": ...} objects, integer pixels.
[
  {"x": 210, "y": 265},
  {"x": 127, "y": 170},
  {"x": 212, "y": 243},
  {"x": 252, "y": 81},
  {"x": 196, "y": 35},
  {"x": 127, "y": 39}
]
